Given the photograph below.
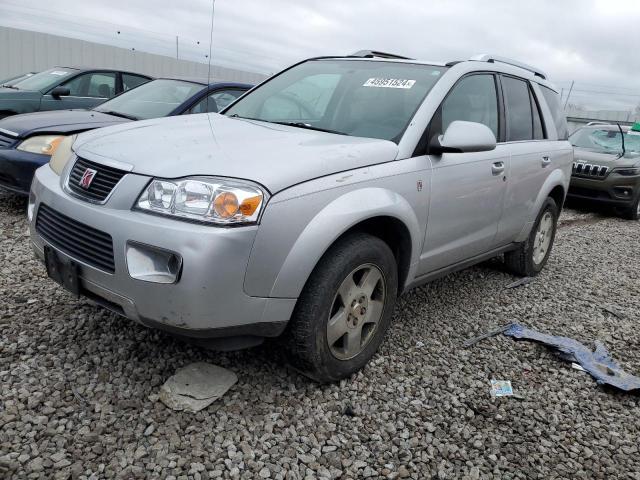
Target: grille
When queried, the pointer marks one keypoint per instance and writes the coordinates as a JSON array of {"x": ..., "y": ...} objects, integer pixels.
[
  {"x": 6, "y": 141},
  {"x": 103, "y": 182},
  {"x": 588, "y": 170},
  {"x": 76, "y": 239}
]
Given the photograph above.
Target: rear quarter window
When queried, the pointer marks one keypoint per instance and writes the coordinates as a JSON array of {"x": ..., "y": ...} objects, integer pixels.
[{"x": 559, "y": 118}]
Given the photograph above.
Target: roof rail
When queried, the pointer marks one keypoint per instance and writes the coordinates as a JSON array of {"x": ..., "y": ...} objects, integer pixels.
[
  {"x": 495, "y": 58},
  {"x": 376, "y": 54}
]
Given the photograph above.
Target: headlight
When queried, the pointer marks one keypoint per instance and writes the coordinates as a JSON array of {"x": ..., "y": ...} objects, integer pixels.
[
  {"x": 42, "y": 144},
  {"x": 62, "y": 154},
  {"x": 210, "y": 200},
  {"x": 627, "y": 172}
]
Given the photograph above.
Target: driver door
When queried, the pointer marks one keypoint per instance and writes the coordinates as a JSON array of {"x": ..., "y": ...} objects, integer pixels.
[
  {"x": 85, "y": 91},
  {"x": 467, "y": 189}
]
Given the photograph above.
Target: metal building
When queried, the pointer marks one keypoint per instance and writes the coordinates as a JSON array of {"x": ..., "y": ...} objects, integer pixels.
[{"x": 27, "y": 51}]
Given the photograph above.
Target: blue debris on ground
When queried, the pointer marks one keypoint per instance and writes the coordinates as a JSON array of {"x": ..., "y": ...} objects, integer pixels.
[{"x": 598, "y": 363}]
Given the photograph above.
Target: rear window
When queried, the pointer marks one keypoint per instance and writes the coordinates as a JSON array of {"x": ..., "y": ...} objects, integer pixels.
[{"x": 559, "y": 118}]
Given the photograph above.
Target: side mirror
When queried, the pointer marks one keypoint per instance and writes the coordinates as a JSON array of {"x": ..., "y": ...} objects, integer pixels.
[
  {"x": 464, "y": 137},
  {"x": 60, "y": 92}
]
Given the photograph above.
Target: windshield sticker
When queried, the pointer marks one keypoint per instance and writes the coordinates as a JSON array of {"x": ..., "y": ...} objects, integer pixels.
[
  {"x": 389, "y": 83},
  {"x": 59, "y": 73}
]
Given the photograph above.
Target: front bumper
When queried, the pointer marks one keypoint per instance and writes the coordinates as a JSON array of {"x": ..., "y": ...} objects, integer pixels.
[
  {"x": 609, "y": 191},
  {"x": 17, "y": 169},
  {"x": 207, "y": 301}
]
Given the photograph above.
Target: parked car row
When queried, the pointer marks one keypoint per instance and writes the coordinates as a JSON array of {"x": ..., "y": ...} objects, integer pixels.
[
  {"x": 27, "y": 141},
  {"x": 307, "y": 205}
]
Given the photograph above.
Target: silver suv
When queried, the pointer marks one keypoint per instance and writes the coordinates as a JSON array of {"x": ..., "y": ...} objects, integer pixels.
[{"x": 311, "y": 203}]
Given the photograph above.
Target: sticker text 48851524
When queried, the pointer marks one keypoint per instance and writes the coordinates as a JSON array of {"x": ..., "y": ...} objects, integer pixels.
[{"x": 389, "y": 83}]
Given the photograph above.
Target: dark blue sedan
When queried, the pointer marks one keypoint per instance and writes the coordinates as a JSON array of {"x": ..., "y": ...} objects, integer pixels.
[{"x": 28, "y": 141}]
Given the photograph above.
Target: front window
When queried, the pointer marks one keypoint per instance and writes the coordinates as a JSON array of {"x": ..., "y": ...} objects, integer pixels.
[
  {"x": 45, "y": 80},
  {"x": 605, "y": 140},
  {"x": 358, "y": 98},
  {"x": 155, "y": 99}
]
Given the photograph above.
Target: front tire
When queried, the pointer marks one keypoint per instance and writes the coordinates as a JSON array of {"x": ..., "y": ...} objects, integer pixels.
[
  {"x": 633, "y": 212},
  {"x": 344, "y": 310},
  {"x": 531, "y": 256}
]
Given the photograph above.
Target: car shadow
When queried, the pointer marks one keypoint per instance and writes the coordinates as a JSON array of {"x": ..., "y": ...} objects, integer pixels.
[{"x": 15, "y": 203}]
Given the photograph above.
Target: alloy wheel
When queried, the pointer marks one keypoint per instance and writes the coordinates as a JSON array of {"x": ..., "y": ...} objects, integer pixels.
[
  {"x": 542, "y": 240},
  {"x": 356, "y": 311}
]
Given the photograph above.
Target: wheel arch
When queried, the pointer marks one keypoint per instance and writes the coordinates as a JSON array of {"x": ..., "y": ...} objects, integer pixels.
[
  {"x": 391, "y": 231},
  {"x": 376, "y": 211},
  {"x": 555, "y": 186},
  {"x": 558, "y": 195}
]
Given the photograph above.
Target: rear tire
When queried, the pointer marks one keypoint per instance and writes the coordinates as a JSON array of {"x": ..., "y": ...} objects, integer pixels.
[
  {"x": 344, "y": 310},
  {"x": 531, "y": 256}
]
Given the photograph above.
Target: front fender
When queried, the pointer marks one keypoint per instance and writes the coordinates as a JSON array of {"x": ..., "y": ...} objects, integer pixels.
[
  {"x": 556, "y": 178},
  {"x": 290, "y": 243}
]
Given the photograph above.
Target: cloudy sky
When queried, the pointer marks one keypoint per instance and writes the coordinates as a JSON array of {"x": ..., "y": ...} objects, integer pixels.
[{"x": 594, "y": 42}]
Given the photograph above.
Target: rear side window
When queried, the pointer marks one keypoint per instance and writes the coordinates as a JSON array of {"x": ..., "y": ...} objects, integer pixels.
[
  {"x": 559, "y": 118},
  {"x": 102, "y": 85},
  {"x": 538, "y": 130},
  {"x": 130, "y": 81},
  {"x": 519, "y": 111},
  {"x": 473, "y": 99}
]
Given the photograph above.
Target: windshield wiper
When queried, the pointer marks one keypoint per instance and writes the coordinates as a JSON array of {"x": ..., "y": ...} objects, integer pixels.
[
  {"x": 235, "y": 115},
  {"x": 10, "y": 86},
  {"x": 118, "y": 114},
  {"x": 309, "y": 127},
  {"x": 290, "y": 124}
]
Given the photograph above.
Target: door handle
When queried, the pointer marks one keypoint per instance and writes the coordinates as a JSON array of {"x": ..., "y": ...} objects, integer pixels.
[
  {"x": 546, "y": 161},
  {"x": 497, "y": 168}
]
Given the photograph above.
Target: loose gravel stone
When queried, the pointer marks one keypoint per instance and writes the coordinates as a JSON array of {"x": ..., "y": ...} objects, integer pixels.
[{"x": 80, "y": 385}]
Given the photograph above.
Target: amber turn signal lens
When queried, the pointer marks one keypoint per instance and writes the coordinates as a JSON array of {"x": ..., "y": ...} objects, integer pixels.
[
  {"x": 51, "y": 147},
  {"x": 250, "y": 205},
  {"x": 226, "y": 205}
]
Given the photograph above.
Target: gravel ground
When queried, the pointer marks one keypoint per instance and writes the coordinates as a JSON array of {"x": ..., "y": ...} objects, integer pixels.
[{"x": 79, "y": 385}]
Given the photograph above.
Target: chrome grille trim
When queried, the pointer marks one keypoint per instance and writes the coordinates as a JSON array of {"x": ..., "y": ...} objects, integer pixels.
[
  {"x": 6, "y": 141},
  {"x": 588, "y": 170},
  {"x": 104, "y": 182}
]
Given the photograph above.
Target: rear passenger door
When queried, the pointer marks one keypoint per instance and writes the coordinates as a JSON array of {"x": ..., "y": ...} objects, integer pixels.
[
  {"x": 531, "y": 155},
  {"x": 467, "y": 189}
]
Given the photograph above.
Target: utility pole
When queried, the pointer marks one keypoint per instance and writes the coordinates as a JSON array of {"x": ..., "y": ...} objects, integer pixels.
[
  {"x": 569, "y": 94},
  {"x": 177, "y": 56}
]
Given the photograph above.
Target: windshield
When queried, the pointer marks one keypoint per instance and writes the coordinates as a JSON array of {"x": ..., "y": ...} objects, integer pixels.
[
  {"x": 359, "y": 98},
  {"x": 605, "y": 140},
  {"x": 44, "y": 80},
  {"x": 14, "y": 80},
  {"x": 154, "y": 99}
]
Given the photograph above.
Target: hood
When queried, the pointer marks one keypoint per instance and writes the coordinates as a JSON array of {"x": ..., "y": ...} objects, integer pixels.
[
  {"x": 582, "y": 155},
  {"x": 58, "y": 121},
  {"x": 273, "y": 155},
  {"x": 13, "y": 94}
]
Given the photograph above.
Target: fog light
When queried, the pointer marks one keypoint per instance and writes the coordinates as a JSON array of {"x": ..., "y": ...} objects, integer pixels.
[
  {"x": 31, "y": 206},
  {"x": 152, "y": 264},
  {"x": 623, "y": 192}
]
